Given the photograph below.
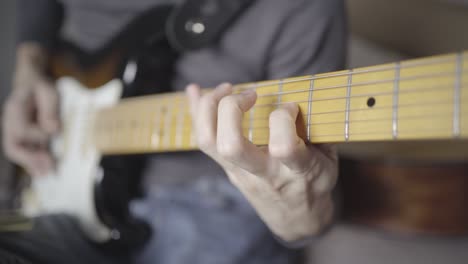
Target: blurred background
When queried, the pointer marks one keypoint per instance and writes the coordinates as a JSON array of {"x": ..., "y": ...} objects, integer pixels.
[
  {"x": 381, "y": 31},
  {"x": 7, "y": 42}
]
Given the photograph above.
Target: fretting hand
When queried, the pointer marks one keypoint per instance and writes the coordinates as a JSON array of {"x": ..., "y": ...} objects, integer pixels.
[{"x": 289, "y": 183}]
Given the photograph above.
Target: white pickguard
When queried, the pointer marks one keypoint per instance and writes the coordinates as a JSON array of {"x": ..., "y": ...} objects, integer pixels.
[{"x": 70, "y": 189}]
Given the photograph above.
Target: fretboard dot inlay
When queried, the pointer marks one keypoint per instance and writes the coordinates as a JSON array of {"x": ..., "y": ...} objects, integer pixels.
[{"x": 371, "y": 102}]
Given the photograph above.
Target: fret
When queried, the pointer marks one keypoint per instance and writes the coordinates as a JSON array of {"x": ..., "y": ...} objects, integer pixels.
[
  {"x": 193, "y": 141},
  {"x": 280, "y": 91},
  {"x": 372, "y": 104},
  {"x": 134, "y": 131},
  {"x": 324, "y": 110},
  {"x": 297, "y": 90},
  {"x": 167, "y": 113},
  {"x": 464, "y": 98},
  {"x": 348, "y": 104},
  {"x": 441, "y": 91},
  {"x": 156, "y": 132},
  {"x": 416, "y": 99},
  {"x": 179, "y": 121},
  {"x": 396, "y": 91},
  {"x": 457, "y": 95},
  {"x": 266, "y": 96},
  {"x": 309, "y": 108},
  {"x": 251, "y": 119}
]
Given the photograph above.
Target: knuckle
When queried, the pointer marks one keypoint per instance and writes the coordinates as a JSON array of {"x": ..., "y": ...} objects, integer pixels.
[
  {"x": 205, "y": 142},
  {"x": 228, "y": 102},
  {"x": 12, "y": 152},
  {"x": 280, "y": 114},
  {"x": 324, "y": 184},
  {"x": 230, "y": 149},
  {"x": 208, "y": 101},
  {"x": 7, "y": 148},
  {"x": 9, "y": 106},
  {"x": 283, "y": 149}
]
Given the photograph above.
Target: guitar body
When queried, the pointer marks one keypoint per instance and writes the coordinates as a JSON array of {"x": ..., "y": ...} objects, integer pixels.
[
  {"x": 97, "y": 189},
  {"x": 420, "y": 198},
  {"x": 71, "y": 188}
]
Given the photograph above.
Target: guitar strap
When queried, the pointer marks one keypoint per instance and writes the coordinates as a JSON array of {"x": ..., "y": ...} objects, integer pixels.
[{"x": 198, "y": 23}]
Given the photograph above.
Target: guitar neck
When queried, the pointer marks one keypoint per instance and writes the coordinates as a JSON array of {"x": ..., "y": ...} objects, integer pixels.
[{"x": 410, "y": 100}]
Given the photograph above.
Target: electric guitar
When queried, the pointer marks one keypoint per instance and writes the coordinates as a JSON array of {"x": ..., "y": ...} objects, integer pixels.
[{"x": 422, "y": 99}]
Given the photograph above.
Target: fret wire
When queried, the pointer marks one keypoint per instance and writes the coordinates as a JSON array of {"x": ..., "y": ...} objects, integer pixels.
[
  {"x": 433, "y": 88},
  {"x": 414, "y": 117},
  {"x": 380, "y": 133},
  {"x": 366, "y": 109},
  {"x": 355, "y": 71},
  {"x": 280, "y": 90},
  {"x": 167, "y": 125},
  {"x": 309, "y": 108},
  {"x": 449, "y": 73},
  {"x": 370, "y": 109},
  {"x": 456, "y": 95},
  {"x": 156, "y": 135},
  {"x": 440, "y": 116},
  {"x": 180, "y": 123},
  {"x": 159, "y": 96},
  {"x": 361, "y": 133},
  {"x": 314, "y": 77},
  {"x": 396, "y": 92},
  {"x": 348, "y": 105},
  {"x": 432, "y": 116},
  {"x": 251, "y": 119},
  {"x": 456, "y": 100}
]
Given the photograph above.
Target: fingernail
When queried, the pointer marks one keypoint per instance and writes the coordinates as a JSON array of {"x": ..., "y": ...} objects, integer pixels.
[{"x": 248, "y": 92}]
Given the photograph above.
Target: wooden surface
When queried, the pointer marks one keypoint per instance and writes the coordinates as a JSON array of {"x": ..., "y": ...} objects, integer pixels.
[
  {"x": 406, "y": 197},
  {"x": 414, "y": 100}
]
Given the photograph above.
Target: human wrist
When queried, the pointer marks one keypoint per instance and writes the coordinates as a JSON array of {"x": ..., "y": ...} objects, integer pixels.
[
  {"x": 307, "y": 228},
  {"x": 32, "y": 56}
]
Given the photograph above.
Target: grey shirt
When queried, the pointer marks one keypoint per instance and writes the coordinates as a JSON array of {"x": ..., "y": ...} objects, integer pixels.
[{"x": 197, "y": 215}]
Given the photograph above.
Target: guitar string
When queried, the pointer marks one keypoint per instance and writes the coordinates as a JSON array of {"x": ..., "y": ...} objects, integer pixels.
[
  {"x": 428, "y": 117},
  {"x": 339, "y": 98},
  {"x": 373, "y": 133},
  {"x": 380, "y": 68},
  {"x": 402, "y": 106},
  {"x": 366, "y": 83},
  {"x": 170, "y": 97},
  {"x": 377, "y": 120},
  {"x": 263, "y": 84},
  {"x": 186, "y": 129},
  {"x": 390, "y": 81},
  {"x": 330, "y": 99},
  {"x": 390, "y": 107},
  {"x": 431, "y": 118},
  {"x": 147, "y": 146}
]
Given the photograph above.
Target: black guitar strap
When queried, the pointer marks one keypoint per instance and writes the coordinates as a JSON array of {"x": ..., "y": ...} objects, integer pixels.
[{"x": 198, "y": 23}]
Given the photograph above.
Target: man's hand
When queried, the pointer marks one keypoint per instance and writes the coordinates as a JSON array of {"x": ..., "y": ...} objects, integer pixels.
[
  {"x": 289, "y": 183},
  {"x": 30, "y": 113}
]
